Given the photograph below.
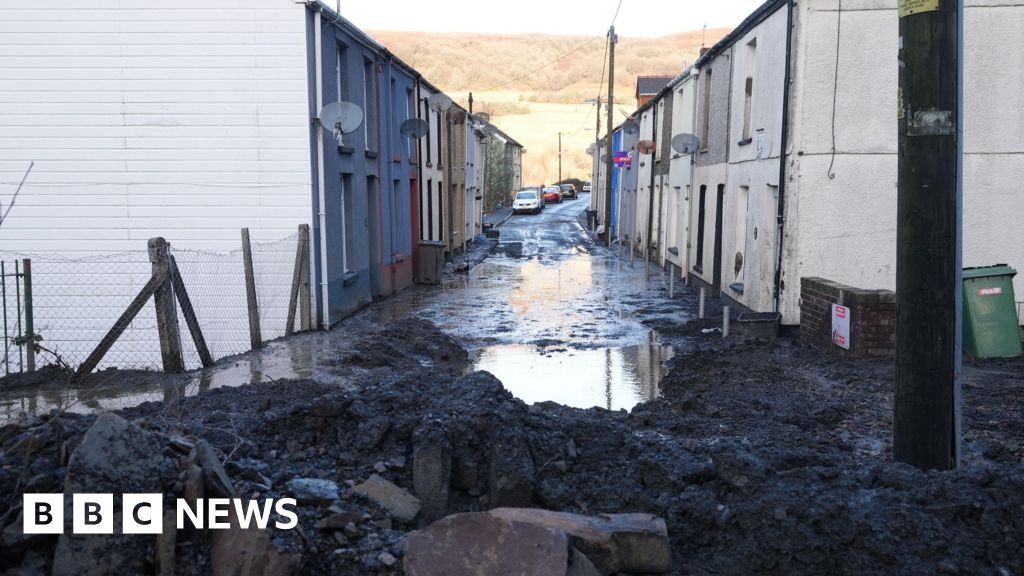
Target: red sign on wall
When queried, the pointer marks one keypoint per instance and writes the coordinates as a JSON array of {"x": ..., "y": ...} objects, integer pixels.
[
  {"x": 623, "y": 159},
  {"x": 990, "y": 291}
]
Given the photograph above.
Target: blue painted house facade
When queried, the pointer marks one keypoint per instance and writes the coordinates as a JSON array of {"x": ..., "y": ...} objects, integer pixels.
[{"x": 365, "y": 186}]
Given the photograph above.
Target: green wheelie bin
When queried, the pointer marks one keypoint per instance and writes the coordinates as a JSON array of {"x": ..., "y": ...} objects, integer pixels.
[{"x": 991, "y": 328}]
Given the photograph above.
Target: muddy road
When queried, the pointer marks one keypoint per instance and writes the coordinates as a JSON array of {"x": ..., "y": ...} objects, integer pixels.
[{"x": 762, "y": 458}]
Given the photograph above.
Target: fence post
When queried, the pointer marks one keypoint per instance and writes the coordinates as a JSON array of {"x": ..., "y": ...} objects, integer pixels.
[
  {"x": 305, "y": 318},
  {"x": 30, "y": 344},
  {"x": 166, "y": 312},
  {"x": 181, "y": 294},
  {"x": 300, "y": 276},
  {"x": 250, "y": 291}
]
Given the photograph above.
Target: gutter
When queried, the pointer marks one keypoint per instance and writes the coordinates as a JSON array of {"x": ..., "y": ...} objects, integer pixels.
[{"x": 780, "y": 215}]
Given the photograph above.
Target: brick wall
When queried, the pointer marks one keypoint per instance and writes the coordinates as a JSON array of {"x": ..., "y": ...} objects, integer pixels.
[{"x": 872, "y": 317}]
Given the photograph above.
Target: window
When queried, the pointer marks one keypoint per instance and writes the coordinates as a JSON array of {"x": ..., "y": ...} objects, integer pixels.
[
  {"x": 339, "y": 86},
  {"x": 438, "y": 123},
  {"x": 410, "y": 108},
  {"x": 393, "y": 115},
  {"x": 346, "y": 227},
  {"x": 706, "y": 111},
  {"x": 748, "y": 90},
  {"x": 428, "y": 138},
  {"x": 428, "y": 226},
  {"x": 370, "y": 104},
  {"x": 699, "y": 266},
  {"x": 659, "y": 130}
]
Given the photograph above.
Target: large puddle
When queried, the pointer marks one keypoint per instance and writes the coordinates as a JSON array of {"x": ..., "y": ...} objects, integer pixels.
[{"x": 611, "y": 378}]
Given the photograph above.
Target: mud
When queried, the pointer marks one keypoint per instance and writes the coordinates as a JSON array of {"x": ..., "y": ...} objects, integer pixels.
[{"x": 762, "y": 458}]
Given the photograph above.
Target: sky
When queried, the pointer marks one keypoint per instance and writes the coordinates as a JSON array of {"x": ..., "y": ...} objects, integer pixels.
[{"x": 636, "y": 18}]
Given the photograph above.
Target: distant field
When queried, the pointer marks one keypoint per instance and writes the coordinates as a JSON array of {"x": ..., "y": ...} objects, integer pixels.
[{"x": 533, "y": 94}]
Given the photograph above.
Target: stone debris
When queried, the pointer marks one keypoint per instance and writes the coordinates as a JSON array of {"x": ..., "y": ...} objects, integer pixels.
[
  {"x": 400, "y": 504},
  {"x": 215, "y": 479},
  {"x": 313, "y": 490}
]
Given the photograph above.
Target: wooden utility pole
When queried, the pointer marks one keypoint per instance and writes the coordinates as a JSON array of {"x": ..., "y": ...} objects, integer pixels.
[
  {"x": 926, "y": 423},
  {"x": 608, "y": 145},
  {"x": 559, "y": 156}
]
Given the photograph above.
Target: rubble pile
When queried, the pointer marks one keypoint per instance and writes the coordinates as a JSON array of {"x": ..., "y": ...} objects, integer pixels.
[{"x": 414, "y": 464}]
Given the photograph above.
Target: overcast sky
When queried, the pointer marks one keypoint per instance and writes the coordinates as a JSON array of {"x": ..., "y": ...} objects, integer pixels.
[{"x": 569, "y": 17}]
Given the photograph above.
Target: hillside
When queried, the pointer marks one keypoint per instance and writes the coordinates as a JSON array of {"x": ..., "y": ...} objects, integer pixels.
[{"x": 534, "y": 86}]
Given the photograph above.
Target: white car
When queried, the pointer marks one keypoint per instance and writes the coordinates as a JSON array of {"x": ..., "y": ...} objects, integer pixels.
[
  {"x": 586, "y": 186},
  {"x": 527, "y": 201}
]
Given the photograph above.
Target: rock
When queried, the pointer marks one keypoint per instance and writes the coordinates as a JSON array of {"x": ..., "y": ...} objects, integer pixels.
[
  {"x": 193, "y": 484},
  {"x": 341, "y": 539},
  {"x": 571, "y": 450},
  {"x": 580, "y": 565},
  {"x": 116, "y": 457},
  {"x": 400, "y": 504},
  {"x": 238, "y": 552},
  {"x": 380, "y": 467},
  {"x": 165, "y": 545},
  {"x": 613, "y": 542},
  {"x": 313, "y": 490},
  {"x": 338, "y": 521},
  {"x": 181, "y": 444},
  {"x": 351, "y": 531},
  {"x": 387, "y": 560},
  {"x": 431, "y": 478},
  {"x": 215, "y": 479},
  {"x": 479, "y": 543}
]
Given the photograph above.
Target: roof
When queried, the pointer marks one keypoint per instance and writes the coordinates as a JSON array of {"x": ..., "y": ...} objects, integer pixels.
[
  {"x": 756, "y": 17},
  {"x": 649, "y": 85}
]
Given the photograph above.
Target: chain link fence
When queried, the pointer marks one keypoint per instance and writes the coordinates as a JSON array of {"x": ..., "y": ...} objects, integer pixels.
[{"x": 76, "y": 301}]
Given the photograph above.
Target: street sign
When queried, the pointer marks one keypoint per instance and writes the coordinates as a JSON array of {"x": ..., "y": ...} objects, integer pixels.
[
  {"x": 841, "y": 326},
  {"x": 623, "y": 159}
]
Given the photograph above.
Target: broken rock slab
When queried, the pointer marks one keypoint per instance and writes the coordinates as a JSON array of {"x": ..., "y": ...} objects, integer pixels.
[
  {"x": 628, "y": 543},
  {"x": 535, "y": 541},
  {"x": 116, "y": 457},
  {"x": 400, "y": 504},
  {"x": 313, "y": 490},
  {"x": 478, "y": 543}
]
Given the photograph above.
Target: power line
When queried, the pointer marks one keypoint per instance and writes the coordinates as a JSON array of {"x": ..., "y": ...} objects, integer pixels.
[
  {"x": 616, "y": 13},
  {"x": 550, "y": 63}
]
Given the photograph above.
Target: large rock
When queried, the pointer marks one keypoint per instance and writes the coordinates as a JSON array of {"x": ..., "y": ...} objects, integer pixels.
[
  {"x": 116, "y": 457},
  {"x": 478, "y": 543},
  {"x": 400, "y": 504},
  {"x": 238, "y": 552},
  {"x": 432, "y": 475},
  {"x": 215, "y": 479},
  {"x": 613, "y": 542},
  {"x": 511, "y": 472}
]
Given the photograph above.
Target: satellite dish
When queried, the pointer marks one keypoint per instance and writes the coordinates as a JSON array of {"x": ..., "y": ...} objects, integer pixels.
[
  {"x": 630, "y": 127},
  {"x": 590, "y": 150},
  {"x": 685, "y": 143},
  {"x": 414, "y": 128},
  {"x": 646, "y": 146},
  {"x": 439, "y": 102},
  {"x": 457, "y": 117},
  {"x": 341, "y": 118},
  {"x": 481, "y": 117},
  {"x": 490, "y": 129}
]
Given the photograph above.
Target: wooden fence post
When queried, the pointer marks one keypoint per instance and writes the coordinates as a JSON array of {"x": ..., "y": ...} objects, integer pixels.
[
  {"x": 190, "y": 314},
  {"x": 255, "y": 339},
  {"x": 300, "y": 284},
  {"x": 30, "y": 346},
  {"x": 166, "y": 312}
]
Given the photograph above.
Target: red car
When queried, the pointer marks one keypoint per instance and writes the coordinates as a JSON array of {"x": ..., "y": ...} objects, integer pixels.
[{"x": 552, "y": 195}]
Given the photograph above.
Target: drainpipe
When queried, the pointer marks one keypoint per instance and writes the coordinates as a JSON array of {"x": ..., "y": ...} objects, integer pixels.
[
  {"x": 780, "y": 216},
  {"x": 325, "y": 320},
  {"x": 650, "y": 191}
]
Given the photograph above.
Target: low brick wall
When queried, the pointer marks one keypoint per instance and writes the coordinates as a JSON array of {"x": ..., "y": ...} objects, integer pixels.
[{"x": 872, "y": 317}]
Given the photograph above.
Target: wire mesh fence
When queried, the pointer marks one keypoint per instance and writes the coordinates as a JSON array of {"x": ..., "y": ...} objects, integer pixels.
[{"x": 76, "y": 302}]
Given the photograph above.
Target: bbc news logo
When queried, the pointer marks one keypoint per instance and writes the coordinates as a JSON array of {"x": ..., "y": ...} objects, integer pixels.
[{"x": 144, "y": 513}]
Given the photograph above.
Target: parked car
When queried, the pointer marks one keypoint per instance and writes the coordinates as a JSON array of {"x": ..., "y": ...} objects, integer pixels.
[
  {"x": 586, "y": 186},
  {"x": 527, "y": 201},
  {"x": 569, "y": 191},
  {"x": 553, "y": 194}
]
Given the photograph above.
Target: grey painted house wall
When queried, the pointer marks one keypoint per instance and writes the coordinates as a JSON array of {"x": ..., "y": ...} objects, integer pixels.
[{"x": 715, "y": 141}]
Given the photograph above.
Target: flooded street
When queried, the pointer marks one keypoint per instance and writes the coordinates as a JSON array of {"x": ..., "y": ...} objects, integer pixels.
[{"x": 551, "y": 314}]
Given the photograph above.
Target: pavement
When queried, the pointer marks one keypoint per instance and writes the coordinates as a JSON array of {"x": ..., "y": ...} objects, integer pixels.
[{"x": 498, "y": 217}]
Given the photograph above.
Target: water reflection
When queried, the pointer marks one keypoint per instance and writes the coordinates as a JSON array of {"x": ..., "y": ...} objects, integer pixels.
[{"x": 611, "y": 378}]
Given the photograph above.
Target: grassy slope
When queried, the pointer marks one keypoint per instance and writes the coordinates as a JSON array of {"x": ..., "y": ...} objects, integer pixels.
[{"x": 534, "y": 85}]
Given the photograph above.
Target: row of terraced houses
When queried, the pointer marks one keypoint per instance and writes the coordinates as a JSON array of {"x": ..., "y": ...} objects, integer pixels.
[{"x": 795, "y": 173}]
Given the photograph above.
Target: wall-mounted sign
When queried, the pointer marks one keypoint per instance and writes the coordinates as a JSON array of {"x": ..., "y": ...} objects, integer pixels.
[
  {"x": 623, "y": 159},
  {"x": 908, "y": 7},
  {"x": 841, "y": 326}
]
